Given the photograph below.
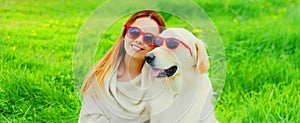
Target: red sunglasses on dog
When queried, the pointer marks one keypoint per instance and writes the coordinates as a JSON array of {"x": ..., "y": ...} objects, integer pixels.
[
  {"x": 153, "y": 41},
  {"x": 135, "y": 32},
  {"x": 171, "y": 43}
]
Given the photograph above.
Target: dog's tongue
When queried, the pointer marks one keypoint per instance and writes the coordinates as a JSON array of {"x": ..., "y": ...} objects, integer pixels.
[{"x": 154, "y": 72}]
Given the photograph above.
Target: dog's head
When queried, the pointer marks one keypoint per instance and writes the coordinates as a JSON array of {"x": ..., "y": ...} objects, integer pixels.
[{"x": 178, "y": 49}]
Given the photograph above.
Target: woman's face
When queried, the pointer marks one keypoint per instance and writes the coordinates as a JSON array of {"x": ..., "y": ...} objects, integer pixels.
[{"x": 136, "y": 48}]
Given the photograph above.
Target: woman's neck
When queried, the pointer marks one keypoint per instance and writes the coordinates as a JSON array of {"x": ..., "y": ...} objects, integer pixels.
[{"x": 129, "y": 68}]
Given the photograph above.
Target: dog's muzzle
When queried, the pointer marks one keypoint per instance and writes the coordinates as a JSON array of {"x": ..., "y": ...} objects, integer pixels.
[{"x": 156, "y": 72}]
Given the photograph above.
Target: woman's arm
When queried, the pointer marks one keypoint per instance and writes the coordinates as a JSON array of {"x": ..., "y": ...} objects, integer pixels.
[{"x": 90, "y": 112}]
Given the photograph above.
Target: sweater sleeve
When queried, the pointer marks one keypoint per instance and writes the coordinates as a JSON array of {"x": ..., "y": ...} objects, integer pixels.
[
  {"x": 90, "y": 112},
  {"x": 91, "y": 109}
]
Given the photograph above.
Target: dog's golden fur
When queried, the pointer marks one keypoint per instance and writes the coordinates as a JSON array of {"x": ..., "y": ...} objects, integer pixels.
[{"x": 187, "y": 97}]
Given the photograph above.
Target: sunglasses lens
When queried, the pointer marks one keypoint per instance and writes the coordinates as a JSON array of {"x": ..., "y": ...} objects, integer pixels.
[
  {"x": 133, "y": 33},
  {"x": 172, "y": 43},
  {"x": 148, "y": 38},
  {"x": 157, "y": 42}
]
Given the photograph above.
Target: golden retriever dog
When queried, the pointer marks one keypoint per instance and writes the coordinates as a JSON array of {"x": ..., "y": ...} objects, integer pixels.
[{"x": 180, "y": 63}]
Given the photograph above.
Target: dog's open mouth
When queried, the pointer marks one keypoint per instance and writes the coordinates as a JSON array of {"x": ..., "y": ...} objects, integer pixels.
[{"x": 160, "y": 73}]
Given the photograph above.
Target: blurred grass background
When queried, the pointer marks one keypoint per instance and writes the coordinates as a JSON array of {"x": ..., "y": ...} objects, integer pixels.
[{"x": 261, "y": 40}]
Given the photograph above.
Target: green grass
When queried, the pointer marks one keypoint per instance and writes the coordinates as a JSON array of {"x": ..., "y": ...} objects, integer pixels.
[{"x": 261, "y": 40}]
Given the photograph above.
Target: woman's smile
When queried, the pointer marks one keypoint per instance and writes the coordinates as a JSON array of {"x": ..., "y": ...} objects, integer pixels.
[{"x": 137, "y": 47}]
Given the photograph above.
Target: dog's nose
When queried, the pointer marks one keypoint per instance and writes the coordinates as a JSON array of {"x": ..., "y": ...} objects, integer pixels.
[{"x": 149, "y": 58}]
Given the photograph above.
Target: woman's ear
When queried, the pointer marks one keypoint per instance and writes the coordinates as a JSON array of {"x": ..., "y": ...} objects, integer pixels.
[{"x": 202, "y": 63}]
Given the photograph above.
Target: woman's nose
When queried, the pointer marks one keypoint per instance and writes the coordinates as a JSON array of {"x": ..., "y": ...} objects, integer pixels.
[{"x": 139, "y": 40}]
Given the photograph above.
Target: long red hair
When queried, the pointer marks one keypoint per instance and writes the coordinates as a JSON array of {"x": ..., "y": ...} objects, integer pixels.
[{"x": 106, "y": 64}]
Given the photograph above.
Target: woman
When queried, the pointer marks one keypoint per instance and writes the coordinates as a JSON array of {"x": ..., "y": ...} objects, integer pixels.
[{"x": 112, "y": 88}]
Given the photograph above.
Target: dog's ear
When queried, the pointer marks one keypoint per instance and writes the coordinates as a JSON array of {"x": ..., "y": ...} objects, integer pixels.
[{"x": 202, "y": 63}]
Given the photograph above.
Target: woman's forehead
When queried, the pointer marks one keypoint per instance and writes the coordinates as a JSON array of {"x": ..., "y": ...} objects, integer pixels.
[{"x": 146, "y": 24}]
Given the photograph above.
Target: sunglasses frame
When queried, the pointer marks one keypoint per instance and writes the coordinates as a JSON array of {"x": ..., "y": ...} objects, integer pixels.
[
  {"x": 154, "y": 37},
  {"x": 141, "y": 34},
  {"x": 179, "y": 42}
]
